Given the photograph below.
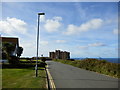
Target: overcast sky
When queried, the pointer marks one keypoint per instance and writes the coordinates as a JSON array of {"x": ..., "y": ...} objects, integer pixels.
[{"x": 86, "y": 29}]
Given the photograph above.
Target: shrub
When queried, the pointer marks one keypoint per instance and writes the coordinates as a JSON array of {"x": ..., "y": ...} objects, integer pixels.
[
  {"x": 43, "y": 59},
  {"x": 101, "y": 66}
]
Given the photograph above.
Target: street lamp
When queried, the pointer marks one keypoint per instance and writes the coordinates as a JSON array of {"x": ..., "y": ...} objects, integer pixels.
[{"x": 36, "y": 67}]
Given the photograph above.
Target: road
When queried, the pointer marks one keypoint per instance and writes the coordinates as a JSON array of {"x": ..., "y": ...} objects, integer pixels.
[{"x": 67, "y": 76}]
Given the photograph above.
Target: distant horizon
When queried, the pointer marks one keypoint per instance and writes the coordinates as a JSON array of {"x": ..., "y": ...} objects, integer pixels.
[{"x": 97, "y": 57}]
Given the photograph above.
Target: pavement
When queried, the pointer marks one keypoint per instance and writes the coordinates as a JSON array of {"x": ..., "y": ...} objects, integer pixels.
[{"x": 67, "y": 76}]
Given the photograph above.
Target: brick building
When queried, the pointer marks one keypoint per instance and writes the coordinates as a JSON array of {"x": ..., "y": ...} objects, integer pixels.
[
  {"x": 12, "y": 40},
  {"x": 59, "y": 55}
]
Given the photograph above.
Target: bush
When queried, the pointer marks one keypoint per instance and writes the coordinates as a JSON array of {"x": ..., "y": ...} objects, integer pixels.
[
  {"x": 13, "y": 60},
  {"x": 101, "y": 66},
  {"x": 43, "y": 59}
]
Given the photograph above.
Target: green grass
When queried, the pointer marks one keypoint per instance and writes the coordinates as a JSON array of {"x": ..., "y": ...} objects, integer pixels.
[
  {"x": 0, "y": 78},
  {"x": 28, "y": 60},
  {"x": 100, "y": 66},
  {"x": 23, "y": 78}
]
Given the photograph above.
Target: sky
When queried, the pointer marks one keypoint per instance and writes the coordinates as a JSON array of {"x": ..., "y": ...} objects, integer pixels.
[{"x": 85, "y": 29}]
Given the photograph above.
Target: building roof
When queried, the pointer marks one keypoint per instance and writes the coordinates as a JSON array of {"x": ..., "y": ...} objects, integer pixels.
[{"x": 10, "y": 39}]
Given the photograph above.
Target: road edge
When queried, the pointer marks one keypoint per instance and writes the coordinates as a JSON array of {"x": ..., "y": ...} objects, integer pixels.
[{"x": 51, "y": 84}]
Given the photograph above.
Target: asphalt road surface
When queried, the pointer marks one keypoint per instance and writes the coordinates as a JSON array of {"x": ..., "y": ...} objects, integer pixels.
[{"x": 67, "y": 76}]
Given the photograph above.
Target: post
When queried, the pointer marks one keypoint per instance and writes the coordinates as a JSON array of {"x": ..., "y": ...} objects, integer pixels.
[{"x": 36, "y": 67}]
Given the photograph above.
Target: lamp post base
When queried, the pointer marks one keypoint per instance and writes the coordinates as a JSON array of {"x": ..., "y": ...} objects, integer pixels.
[{"x": 36, "y": 71}]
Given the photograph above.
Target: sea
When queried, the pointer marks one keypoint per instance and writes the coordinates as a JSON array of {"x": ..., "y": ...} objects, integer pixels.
[{"x": 112, "y": 60}]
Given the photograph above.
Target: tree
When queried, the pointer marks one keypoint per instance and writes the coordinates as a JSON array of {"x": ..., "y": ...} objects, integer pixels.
[
  {"x": 19, "y": 51},
  {"x": 43, "y": 59},
  {"x": 8, "y": 49}
]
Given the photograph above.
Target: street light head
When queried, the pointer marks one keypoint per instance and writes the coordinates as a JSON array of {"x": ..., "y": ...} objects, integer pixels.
[{"x": 41, "y": 13}]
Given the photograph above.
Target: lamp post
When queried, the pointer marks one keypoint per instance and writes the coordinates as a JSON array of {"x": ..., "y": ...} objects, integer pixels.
[{"x": 36, "y": 67}]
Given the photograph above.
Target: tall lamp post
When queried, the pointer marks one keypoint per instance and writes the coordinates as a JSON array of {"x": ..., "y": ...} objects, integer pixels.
[{"x": 36, "y": 67}]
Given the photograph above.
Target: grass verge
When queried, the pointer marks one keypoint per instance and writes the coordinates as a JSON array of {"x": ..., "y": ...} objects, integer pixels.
[
  {"x": 22, "y": 75},
  {"x": 23, "y": 78},
  {"x": 100, "y": 66}
]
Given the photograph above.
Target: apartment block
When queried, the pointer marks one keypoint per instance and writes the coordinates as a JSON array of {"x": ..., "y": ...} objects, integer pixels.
[{"x": 59, "y": 55}]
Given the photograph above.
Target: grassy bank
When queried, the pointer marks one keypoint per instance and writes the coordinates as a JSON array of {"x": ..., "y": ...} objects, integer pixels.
[
  {"x": 22, "y": 75},
  {"x": 100, "y": 66}
]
